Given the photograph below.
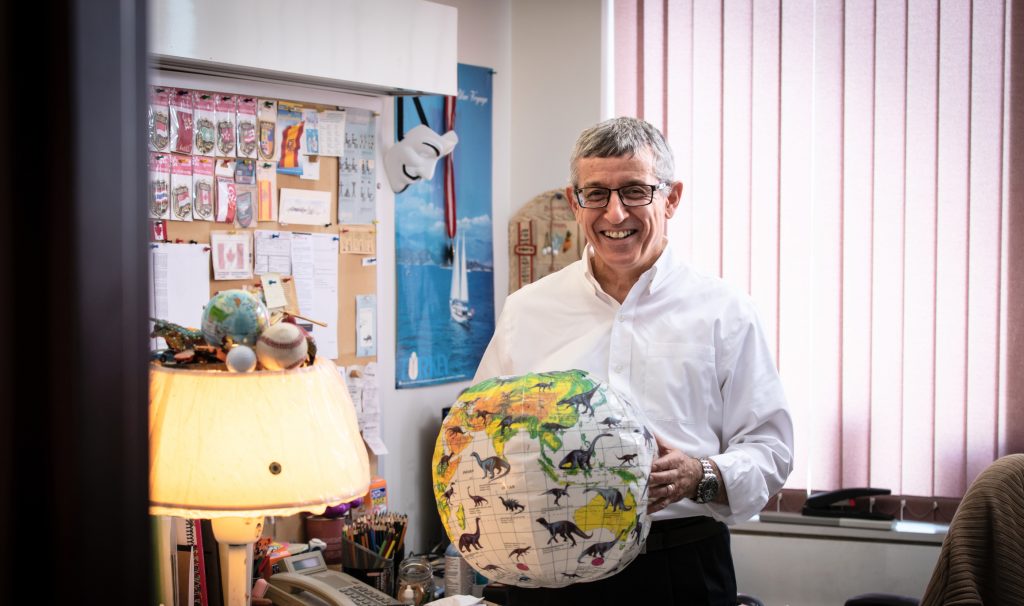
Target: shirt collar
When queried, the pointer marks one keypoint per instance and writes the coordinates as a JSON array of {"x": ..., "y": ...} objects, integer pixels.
[
  {"x": 663, "y": 267},
  {"x": 651, "y": 280}
]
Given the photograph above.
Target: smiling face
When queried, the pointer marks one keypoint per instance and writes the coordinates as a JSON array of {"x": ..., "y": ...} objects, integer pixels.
[{"x": 627, "y": 240}]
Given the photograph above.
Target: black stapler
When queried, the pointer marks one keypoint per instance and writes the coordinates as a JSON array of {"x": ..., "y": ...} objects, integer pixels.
[{"x": 839, "y": 504}]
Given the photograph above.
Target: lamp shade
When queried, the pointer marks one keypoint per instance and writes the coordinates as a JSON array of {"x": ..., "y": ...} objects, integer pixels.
[{"x": 225, "y": 444}]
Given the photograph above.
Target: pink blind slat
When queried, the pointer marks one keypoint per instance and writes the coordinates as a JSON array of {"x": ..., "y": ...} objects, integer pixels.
[
  {"x": 983, "y": 250},
  {"x": 736, "y": 126},
  {"x": 795, "y": 230},
  {"x": 825, "y": 290},
  {"x": 653, "y": 68},
  {"x": 887, "y": 246},
  {"x": 679, "y": 88},
  {"x": 951, "y": 254},
  {"x": 627, "y": 57},
  {"x": 764, "y": 170},
  {"x": 857, "y": 208},
  {"x": 919, "y": 247},
  {"x": 707, "y": 136}
]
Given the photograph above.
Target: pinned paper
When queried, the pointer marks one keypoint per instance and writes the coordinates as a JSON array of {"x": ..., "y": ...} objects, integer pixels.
[
  {"x": 266, "y": 185},
  {"x": 273, "y": 291},
  {"x": 331, "y": 127},
  {"x": 358, "y": 239},
  {"x": 362, "y": 386},
  {"x": 310, "y": 168},
  {"x": 305, "y": 207},
  {"x": 273, "y": 252},
  {"x": 232, "y": 255},
  {"x": 366, "y": 325}
]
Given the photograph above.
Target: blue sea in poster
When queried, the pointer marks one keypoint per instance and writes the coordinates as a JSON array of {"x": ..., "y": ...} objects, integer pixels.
[
  {"x": 432, "y": 347},
  {"x": 452, "y": 351}
]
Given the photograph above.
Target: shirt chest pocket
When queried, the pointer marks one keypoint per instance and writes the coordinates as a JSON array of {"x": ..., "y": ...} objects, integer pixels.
[{"x": 680, "y": 382}]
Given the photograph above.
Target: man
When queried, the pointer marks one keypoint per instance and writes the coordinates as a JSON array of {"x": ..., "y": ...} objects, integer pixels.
[{"x": 685, "y": 346}]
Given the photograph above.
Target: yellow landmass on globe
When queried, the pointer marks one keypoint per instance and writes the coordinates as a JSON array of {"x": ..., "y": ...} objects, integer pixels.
[{"x": 595, "y": 514}]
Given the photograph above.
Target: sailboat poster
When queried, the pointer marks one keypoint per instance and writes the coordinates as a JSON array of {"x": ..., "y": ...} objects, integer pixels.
[{"x": 444, "y": 247}]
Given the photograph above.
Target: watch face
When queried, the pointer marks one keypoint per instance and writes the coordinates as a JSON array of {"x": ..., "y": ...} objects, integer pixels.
[{"x": 709, "y": 488}]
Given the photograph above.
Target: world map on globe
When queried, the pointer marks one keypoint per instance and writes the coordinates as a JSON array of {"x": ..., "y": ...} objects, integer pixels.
[
  {"x": 234, "y": 317},
  {"x": 540, "y": 480}
]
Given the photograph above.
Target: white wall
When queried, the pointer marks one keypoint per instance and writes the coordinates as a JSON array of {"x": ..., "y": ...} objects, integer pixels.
[
  {"x": 546, "y": 90},
  {"x": 411, "y": 418},
  {"x": 810, "y": 571},
  {"x": 556, "y": 89}
]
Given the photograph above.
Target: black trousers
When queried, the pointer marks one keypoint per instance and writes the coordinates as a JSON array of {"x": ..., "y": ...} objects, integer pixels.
[{"x": 690, "y": 565}]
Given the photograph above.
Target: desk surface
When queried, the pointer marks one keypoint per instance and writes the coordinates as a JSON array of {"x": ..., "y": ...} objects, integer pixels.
[{"x": 910, "y": 533}]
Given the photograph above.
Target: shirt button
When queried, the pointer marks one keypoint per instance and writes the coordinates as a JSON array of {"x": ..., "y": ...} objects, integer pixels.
[
  {"x": 618, "y": 368},
  {"x": 622, "y": 318}
]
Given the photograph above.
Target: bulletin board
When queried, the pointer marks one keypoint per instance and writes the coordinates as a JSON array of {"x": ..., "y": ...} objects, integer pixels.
[{"x": 354, "y": 278}]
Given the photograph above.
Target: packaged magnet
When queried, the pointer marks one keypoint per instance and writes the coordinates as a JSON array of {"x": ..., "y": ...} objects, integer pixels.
[
  {"x": 247, "y": 140},
  {"x": 181, "y": 120},
  {"x": 204, "y": 115},
  {"x": 226, "y": 120},
  {"x": 202, "y": 188},
  {"x": 181, "y": 188},
  {"x": 159, "y": 119},
  {"x": 267, "y": 125},
  {"x": 159, "y": 186}
]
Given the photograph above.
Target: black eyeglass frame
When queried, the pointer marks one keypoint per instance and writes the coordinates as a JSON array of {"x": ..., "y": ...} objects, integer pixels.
[{"x": 654, "y": 188}]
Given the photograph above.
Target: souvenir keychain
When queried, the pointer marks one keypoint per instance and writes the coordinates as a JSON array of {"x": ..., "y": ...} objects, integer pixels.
[
  {"x": 266, "y": 185},
  {"x": 159, "y": 186},
  {"x": 267, "y": 126},
  {"x": 202, "y": 188},
  {"x": 226, "y": 125},
  {"x": 158, "y": 119},
  {"x": 181, "y": 188},
  {"x": 244, "y": 205},
  {"x": 181, "y": 120},
  {"x": 226, "y": 194},
  {"x": 247, "y": 138},
  {"x": 204, "y": 115}
]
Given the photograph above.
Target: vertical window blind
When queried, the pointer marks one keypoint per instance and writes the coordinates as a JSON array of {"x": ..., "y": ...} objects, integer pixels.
[{"x": 847, "y": 163}]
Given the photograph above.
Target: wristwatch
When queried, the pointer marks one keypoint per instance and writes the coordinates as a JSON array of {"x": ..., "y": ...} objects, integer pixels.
[{"x": 707, "y": 488}]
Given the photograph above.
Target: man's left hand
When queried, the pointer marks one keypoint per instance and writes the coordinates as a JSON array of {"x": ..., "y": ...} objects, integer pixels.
[{"x": 674, "y": 476}]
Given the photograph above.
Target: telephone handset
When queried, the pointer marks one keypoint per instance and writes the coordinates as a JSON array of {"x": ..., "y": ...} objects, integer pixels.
[{"x": 294, "y": 589}]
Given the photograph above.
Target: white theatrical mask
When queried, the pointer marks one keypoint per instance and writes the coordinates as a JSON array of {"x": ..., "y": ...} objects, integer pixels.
[{"x": 415, "y": 156}]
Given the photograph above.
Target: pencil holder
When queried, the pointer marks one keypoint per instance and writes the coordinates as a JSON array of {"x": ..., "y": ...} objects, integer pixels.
[{"x": 368, "y": 566}]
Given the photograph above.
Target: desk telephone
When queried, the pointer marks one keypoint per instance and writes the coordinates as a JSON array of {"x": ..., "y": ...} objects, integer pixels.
[{"x": 309, "y": 582}]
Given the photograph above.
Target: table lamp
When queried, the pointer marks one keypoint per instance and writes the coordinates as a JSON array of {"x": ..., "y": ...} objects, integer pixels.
[{"x": 235, "y": 447}]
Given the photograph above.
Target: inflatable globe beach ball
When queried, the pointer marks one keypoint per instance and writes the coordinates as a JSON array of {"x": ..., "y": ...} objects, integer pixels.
[
  {"x": 541, "y": 479},
  {"x": 234, "y": 316}
]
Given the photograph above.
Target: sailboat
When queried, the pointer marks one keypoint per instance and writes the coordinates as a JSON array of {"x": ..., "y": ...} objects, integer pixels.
[{"x": 458, "y": 301}]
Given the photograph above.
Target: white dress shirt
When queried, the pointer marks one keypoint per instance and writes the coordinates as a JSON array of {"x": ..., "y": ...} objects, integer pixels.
[{"x": 685, "y": 346}]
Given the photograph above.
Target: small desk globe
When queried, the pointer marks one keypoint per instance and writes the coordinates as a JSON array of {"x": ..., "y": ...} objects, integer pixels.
[
  {"x": 235, "y": 315},
  {"x": 541, "y": 479}
]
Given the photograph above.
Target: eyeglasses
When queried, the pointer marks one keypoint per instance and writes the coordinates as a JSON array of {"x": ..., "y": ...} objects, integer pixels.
[{"x": 629, "y": 195}]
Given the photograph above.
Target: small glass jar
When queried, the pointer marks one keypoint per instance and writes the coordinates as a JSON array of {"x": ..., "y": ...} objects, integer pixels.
[{"x": 416, "y": 577}]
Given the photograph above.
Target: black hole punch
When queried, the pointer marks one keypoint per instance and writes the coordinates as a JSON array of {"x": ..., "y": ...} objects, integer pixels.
[{"x": 275, "y": 468}]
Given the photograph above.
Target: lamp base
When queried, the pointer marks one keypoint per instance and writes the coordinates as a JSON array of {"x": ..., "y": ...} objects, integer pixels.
[{"x": 236, "y": 536}]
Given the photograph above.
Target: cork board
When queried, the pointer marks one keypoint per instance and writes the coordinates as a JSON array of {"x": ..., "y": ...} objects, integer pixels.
[{"x": 353, "y": 278}]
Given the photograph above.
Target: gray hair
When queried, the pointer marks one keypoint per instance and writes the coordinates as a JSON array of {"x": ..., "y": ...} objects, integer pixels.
[{"x": 620, "y": 137}]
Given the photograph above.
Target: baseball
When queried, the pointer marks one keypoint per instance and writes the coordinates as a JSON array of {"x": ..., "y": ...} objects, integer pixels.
[{"x": 281, "y": 347}]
